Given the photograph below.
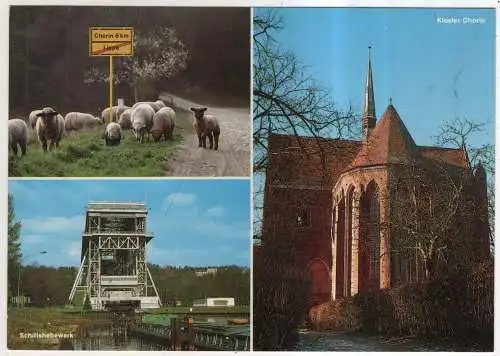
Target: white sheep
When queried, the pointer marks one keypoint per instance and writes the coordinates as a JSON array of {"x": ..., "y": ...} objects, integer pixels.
[
  {"x": 142, "y": 121},
  {"x": 113, "y": 134},
  {"x": 160, "y": 104},
  {"x": 154, "y": 105},
  {"x": 124, "y": 121},
  {"x": 18, "y": 135},
  {"x": 75, "y": 121},
  {"x": 49, "y": 127},
  {"x": 33, "y": 117},
  {"x": 163, "y": 124},
  {"x": 117, "y": 111},
  {"x": 206, "y": 126}
]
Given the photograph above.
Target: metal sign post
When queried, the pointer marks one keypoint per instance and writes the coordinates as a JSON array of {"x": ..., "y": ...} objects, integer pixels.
[{"x": 111, "y": 42}]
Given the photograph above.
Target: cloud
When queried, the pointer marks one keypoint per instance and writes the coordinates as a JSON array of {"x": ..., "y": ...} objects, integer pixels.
[
  {"x": 181, "y": 199},
  {"x": 74, "y": 249},
  {"x": 196, "y": 257},
  {"x": 222, "y": 230},
  {"x": 217, "y": 211},
  {"x": 53, "y": 224},
  {"x": 33, "y": 239}
]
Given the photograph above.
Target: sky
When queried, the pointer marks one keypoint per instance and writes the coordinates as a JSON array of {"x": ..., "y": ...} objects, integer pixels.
[
  {"x": 432, "y": 71},
  {"x": 195, "y": 222}
]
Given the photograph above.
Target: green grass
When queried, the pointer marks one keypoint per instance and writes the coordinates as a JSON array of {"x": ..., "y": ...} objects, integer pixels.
[
  {"x": 41, "y": 320},
  {"x": 85, "y": 154}
]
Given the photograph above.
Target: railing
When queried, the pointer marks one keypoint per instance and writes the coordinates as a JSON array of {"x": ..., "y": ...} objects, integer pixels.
[{"x": 218, "y": 338}]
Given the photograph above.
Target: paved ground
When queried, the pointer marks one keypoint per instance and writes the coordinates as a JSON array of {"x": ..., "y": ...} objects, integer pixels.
[
  {"x": 233, "y": 156},
  {"x": 343, "y": 341}
]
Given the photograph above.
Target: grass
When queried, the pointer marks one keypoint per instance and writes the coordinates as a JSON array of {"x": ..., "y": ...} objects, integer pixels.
[
  {"x": 85, "y": 154},
  {"x": 40, "y": 320}
]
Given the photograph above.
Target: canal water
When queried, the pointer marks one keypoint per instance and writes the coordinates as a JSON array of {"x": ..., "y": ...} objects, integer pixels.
[
  {"x": 110, "y": 334},
  {"x": 344, "y": 341}
]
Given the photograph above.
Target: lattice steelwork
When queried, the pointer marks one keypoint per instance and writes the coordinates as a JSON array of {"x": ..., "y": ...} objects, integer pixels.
[{"x": 113, "y": 259}]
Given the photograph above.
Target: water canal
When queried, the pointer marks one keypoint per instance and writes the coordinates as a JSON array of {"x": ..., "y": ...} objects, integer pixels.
[{"x": 113, "y": 332}]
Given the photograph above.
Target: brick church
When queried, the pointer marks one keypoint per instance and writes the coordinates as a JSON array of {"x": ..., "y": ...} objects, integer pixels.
[{"x": 336, "y": 201}]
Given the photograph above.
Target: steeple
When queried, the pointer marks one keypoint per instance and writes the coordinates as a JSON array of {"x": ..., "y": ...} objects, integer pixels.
[{"x": 369, "y": 116}]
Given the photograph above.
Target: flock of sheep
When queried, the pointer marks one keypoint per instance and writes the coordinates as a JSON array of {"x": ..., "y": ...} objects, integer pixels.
[{"x": 143, "y": 119}]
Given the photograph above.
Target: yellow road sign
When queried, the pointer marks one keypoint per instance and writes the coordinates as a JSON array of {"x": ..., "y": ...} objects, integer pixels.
[{"x": 111, "y": 41}]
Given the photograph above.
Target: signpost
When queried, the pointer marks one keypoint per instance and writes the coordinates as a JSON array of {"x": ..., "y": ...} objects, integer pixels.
[{"x": 111, "y": 42}]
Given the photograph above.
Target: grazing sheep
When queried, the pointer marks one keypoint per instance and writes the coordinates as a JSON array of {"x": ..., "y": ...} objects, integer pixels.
[
  {"x": 168, "y": 100},
  {"x": 33, "y": 117},
  {"x": 75, "y": 121},
  {"x": 124, "y": 121},
  {"x": 142, "y": 121},
  {"x": 18, "y": 135},
  {"x": 163, "y": 124},
  {"x": 154, "y": 105},
  {"x": 49, "y": 127},
  {"x": 113, "y": 134},
  {"x": 206, "y": 126},
  {"x": 160, "y": 104},
  {"x": 117, "y": 111}
]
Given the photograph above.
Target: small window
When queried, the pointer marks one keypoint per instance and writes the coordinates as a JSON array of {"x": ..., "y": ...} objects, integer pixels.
[{"x": 302, "y": 218}]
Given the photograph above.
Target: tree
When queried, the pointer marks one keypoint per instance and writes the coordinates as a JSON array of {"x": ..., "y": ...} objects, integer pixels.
[
  {"x": 462, "y": 132},
  {"x": 280, "y": 297},
  {"x": 14, "y": 245},
  {"x": 437, "y": 218},
  {"x": 286, "y": 100},
  {"x": 158, "y": 55}
]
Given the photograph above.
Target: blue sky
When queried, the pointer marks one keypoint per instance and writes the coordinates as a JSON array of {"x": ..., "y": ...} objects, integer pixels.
[
  {"x": 432, "y": 71},
  {"x": 195, "y": 222}
]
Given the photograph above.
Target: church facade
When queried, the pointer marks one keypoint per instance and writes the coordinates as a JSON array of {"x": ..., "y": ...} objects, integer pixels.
[{"x": 374, "y": 213}]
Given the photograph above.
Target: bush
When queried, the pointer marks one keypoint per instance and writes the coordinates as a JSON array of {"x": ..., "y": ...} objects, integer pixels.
[
  {"x": 280, "y": 299},
  {"x": 458, "y": 306}
]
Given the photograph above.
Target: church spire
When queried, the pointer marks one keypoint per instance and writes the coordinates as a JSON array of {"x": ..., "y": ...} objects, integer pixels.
[{"x": 369, "y": 107}]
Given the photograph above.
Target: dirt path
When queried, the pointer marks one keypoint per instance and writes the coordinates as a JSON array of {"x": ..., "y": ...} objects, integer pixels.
[{"x": 232, "y": 158}]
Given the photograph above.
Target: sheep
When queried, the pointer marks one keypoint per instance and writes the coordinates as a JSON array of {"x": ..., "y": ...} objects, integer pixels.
[
  {"x": 117, "y": 111},
  {"x": 33, "y": 117},
  {"x": 142, "y": 121},
  {"x": 124, "y": 120},
  {"x": 18, "y": 135},
  {"x": 206, "y": 126},
  {"x": 49, "y": 127},
  {"x": 113, "y": 134},
  {"x": 78, "y": 120},
  {"x": 163, "y": 124},
  {"x": 160, "y": 104},
  {"x": 154, "y": 105},
  {"x": 168, "y": 100}
]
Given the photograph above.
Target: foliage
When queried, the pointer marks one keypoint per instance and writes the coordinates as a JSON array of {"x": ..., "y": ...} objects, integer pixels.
[
  {"x": 160, "y": 54},
  {"x": 85, "y": 154},
  {"x": 280, "y": 295},
  {"x": 14, "y": 246},
  {"x": 48, "y": 58},
  {"x": 182, "y": 284},
  {"x": 457, "y": 306},
  {"x": 173, "y": 283}
]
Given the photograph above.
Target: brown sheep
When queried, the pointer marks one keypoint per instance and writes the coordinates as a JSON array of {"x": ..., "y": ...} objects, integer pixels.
[{"x": 49, "y": 127}]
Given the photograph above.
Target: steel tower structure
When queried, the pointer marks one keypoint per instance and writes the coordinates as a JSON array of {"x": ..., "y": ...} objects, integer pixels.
[{"x": 113, "y": 267}]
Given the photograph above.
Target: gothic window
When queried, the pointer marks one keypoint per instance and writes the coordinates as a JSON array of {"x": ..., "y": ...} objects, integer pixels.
[
  {"x": 276, "y": 179},
  {"x": 302, "y": 218}
]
